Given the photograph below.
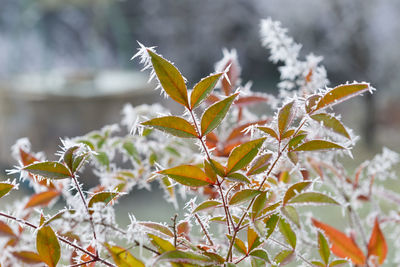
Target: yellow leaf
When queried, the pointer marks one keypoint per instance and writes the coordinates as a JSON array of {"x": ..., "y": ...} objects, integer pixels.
[
  {"x": 47, "y": 246},
  {"x": 170, "y": 78},
  {"x": 189, "y": 175},
  {"x": 173, "y": 125},
  {"x": 122, "y": 257},
  {"x": 243, "y": 154}
]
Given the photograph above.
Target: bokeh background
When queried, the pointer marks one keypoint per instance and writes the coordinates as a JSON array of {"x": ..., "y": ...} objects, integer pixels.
[{"x": 65, "y": 65}]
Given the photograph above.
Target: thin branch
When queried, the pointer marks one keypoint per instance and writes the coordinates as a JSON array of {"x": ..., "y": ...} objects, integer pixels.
[
  {"x": 95, "y": 257},
  {"x": 204, "y": 230},
  {"x": 173, "y": 219}
]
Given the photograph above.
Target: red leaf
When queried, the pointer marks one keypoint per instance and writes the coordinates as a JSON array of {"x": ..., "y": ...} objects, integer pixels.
[
  {"x": 342, "y": 245},
  {"x": 41, "y": 198},
  {"x": 377, "y": 245}
]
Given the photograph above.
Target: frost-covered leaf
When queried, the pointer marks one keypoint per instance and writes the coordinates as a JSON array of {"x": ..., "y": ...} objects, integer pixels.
[
  {"x": 285, "y": 117},
  {"x": 270, "y": 224},
  {"x": 295, "y": 141},
  {"x": 184, "y": 257},
  {"x": 170, "y": 78},
  {"x": 253, "y": 240},
  {"x": 27, "y": 256},
  {"x": 317, "y": 145},
  {"x": 259, "y": 164},
  {"x": 203, "y": 89},
  {"x": 5, "y": 188},
  {"x": 259, "y": 204},
  {"x": 237, "y": 177},
  {"x": 239, "y": 245},
  {"x": 131, "y": 150},
  {"x": 42, "y": 198},
  {"x": 295, "y": 189},
  {"x": 271, "y": 132},
  {"x": 323, "y": 248},
  {"x": 207, "y": 205},
  {"x": 213, "y": 115},
  {"x": 161, "y": 244},
  {"x": 243, "y": 195},
  {"x": 260, "y": 254},
  {"x": 292, "y": 214},
  {"x": 173, "y": 125},
  {"x": 48, "y": 246},
  {"x": 287, "y": 233},
  {"x": 68, "y": 156},
  {"x": 341, "y": 93},
  {"x": 284, "y": 257},
  {"x": 377, "y": 244},
  {"x": 342, "y": 245},
  {"x": 331, "y": 122},
  {"x": 49, "y": 169},
  {"x": 311, "y": 103},
  {"x": 243, "y": 154},
  {"x": 158, "y": 228},
  {"x": 122, "y": 257},
  {"x": 188, "y": 175},
  {"x": 103, "y": 197},
  {"x": 312, "y": 197}
]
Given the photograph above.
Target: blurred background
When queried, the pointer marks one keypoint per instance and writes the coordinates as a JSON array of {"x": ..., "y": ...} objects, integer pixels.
[{"x": 65, "y": 65}]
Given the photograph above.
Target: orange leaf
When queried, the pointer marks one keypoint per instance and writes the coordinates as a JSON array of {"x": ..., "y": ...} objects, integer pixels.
[
  {"x": 41, "y": 198},
  {"x": 173, "y": 125},
  {"x": 377, "y": 245},
  {"x": 188, "y": 175},
  {"x": 5, "y": 230},
  {"x": 27, "y": 256},
  {"x": 237, "y": 132},
  {"x": 249, "y": 100},
  {"x": 233, "y": 75},
  {"x": 86, "y": 257},
  {"x": 342, "y": 245}
]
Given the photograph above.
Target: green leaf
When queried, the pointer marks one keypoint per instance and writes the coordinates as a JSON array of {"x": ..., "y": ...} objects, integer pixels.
[
  {"x": 161, "y": 244},
  {"x": 288, "y": 133},
  {"x": 341, "y": 93},
  {"x": 323, "y": 248},
  {"x": 317, "y": 145},
  {"x": 269, "y": 131},
  {"x": 238, "y": 177},
  {"x": 332, "y": 123},
  {"x": 184, "y": 257},
  {"x": 270, "y": 224},
  {"x": 122, "y": 257},
  {"x": 291, "y": 213},
  {"x": 259, "y": 164},
  {"x": 104, "y": 197},
  {"x": 295, "y": 189},
  {"x": 218, "y": 168},
  {"x": 27, "y": 256},
  {"x": 284, "y": 257},
  {"x": 260, "y": 254},
  {"x": 131, "y": 150},
  {"x": 318, "y": 263},
  {"x": 285, "y": 117},
  {"x": 188, "y": 175},
  {"x": 203, "y": 89},
  {"x": 158, "y": 228},
  {"x": 288, "y": 233},
  {"x": 243, "y": 154},
  {"x": 78, "y": 162},
  {"x": 206, "y": 205},
  {"x": 209, "y": 170},
  {"x": 5, "y": 188},
  {"x": 243, "y": 195},
  {"x": 170, "y": 78},
  {"x": 213, "y": 116},
  {"x": 338, "y": 263},
  {"x": 296, "y": 140},
  {"x": 68, "y": 156},
  {"x": 103, "y": 159},
  {"x": 313, "y": 197},
  {"x": 47, "y": 246},
  {"x": 173, "y": 125},
  {"x": 49, "y": 169},
  {"x": 259, "y": 204}
]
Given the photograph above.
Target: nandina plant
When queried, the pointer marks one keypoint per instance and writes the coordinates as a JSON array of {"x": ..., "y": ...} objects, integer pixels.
[{"x": 249, "y": 181}]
